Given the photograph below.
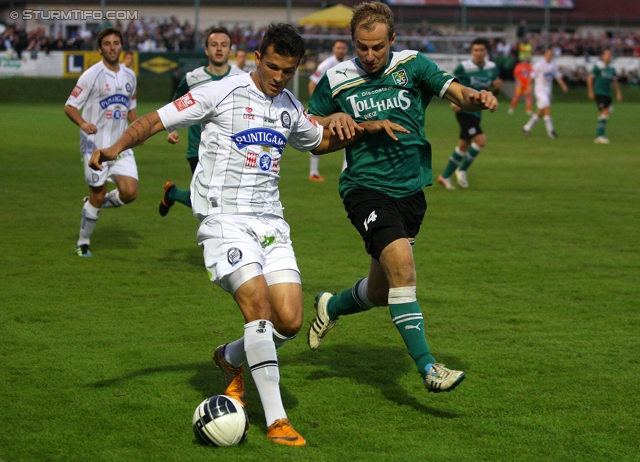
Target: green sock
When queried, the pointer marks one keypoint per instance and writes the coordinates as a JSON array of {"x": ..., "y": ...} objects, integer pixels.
[
  {"x": 454, "y": 161},
  {"x": 350, "y": 301},
  {"x": 602, "y": 125},
  {"x": 408, "y": 319},
  {"x": 180, "y": 195},
  {"x": 472, "y": 153}
]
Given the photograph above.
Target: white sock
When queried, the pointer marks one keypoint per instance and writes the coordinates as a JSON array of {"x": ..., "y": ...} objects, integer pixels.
[
  {"x": 263, "y": 362},
  {"x": 548, "y": 123},
  {"x": 314, "y": 163},
  {"x": 112, "y": 200},
  {"x": 532, "y": 121},
  {"x": 90, "y": 216},
  {"x": 234, "y": 351}
]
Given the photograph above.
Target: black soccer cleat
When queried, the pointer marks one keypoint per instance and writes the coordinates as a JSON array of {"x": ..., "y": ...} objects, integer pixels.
[{"x": 166, "y": 203}]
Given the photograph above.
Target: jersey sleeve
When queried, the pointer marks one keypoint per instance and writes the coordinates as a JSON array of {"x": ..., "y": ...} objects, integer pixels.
[
  {"x": 306, "y": 133},
  {"x": 182, "y": 89},
  {"x": 133, "y": 103},
  {"x": 80, "y": 92},
  {"x": 194, "y": 107},
  {"x": 321, "y": 70},
  {"x": 322, "y": 102},
  {"x": 435, "y": 79},
  {"x": 595, "y": 70},
  {"x": 459, "y": 70},
  {"x": 556, "y": 72}
]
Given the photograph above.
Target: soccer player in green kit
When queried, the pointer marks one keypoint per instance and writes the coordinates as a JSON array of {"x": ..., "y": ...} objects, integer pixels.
[
  {"x": 599, "y": 82},
  {"x": 382, "y": 185},
  {"x": 480, "y": 74},
  {"x": 217, "y": 49}
]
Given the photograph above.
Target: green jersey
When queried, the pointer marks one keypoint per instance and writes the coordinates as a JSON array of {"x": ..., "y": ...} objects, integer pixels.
[
  {"x": 477, "y": 77},
  {"x": 189, "y": 82},
  {"x": 603, "y": 75},
  {"x": 400, "y": 92}
]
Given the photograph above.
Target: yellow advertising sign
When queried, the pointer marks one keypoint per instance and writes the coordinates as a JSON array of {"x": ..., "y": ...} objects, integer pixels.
[
  {"x": 76, "y": 62},
  {"x": 159, "y": 65}
]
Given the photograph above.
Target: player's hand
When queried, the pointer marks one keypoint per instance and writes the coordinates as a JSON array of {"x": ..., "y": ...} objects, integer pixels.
[
  {"x": 486, "y": 99},
  {"x": 102, "y": 155},
  {"x": 619, "y": 97},
  {"x": 455, "y": 107},
  {"x": 89, "y": 129},
  {"x": 173, "y": 137},
  {"x": 592, "y": 96},
  {"x": 343, "y": 125},
  {"x": 375, "y": 126}
]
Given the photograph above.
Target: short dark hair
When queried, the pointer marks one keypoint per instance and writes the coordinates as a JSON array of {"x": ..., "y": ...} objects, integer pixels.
[
  {"x": 481, "y": 41},
  {"x": 284, "y": 39},
  {"x": 108, "y": 31},
  {"x": 217, "y": 30}
]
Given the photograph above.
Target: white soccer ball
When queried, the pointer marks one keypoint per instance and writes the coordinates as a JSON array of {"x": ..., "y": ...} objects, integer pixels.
[{"x": 220, "y": 421}]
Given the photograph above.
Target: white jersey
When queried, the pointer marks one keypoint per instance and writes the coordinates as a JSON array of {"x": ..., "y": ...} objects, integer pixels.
[
  {"x": 244, "y": 133},
  {"x": 105, "y": 98},
  {"x": 543, "y": 74},
  {"x": 323, "y": 67}
]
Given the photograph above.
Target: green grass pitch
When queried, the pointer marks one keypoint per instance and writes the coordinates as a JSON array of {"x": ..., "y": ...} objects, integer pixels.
[{"x": 529, "y": 281}]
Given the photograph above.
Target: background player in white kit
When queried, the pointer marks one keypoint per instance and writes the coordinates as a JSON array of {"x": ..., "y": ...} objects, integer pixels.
[
  {"x": 246, "y": 122},
  {"x": 544, "y": 72},
  {"x": 339, "y": 50},
  {"x": 106, "y": 94}
]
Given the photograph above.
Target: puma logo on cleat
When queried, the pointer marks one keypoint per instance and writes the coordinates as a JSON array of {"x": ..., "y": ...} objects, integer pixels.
[{"x": 409, "y": 326}]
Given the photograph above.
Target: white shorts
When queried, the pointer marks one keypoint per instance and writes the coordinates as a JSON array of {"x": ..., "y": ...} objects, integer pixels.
[
  {"x": 543, "y": 100},
  {"x": 230, "y": 242},
  {"x": 124, "y": 165}
]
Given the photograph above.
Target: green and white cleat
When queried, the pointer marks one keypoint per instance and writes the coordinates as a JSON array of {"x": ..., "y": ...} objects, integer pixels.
[
  {"x": 461, "y": 176},
  {"x": 439, "y": 378},
  {"x": 321, "y": 325},
  {"x": 83, "y": 250}
]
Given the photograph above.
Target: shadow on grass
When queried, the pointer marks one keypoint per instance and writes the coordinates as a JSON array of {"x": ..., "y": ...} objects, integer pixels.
[
  {"x": 374, "y": 366},
  {"x": 207, "y": 380},
  {"x": 116, "y": 237},
  {"x": 191, "y": 255}
]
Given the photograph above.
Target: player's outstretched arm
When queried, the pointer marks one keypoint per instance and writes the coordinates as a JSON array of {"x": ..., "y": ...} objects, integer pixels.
[
  {"x": 74, "y": 115},
  {"x": 471, "y": 100},
  {"x": 335, "y": 141},
  {"x": 135, "y": 134}
]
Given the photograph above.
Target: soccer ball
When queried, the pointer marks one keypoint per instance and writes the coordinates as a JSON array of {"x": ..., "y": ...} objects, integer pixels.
[{"x": 220, "y": 421}]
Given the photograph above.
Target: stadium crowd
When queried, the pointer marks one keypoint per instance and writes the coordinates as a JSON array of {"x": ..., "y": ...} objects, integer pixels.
[{"x": 149, "y": 34}]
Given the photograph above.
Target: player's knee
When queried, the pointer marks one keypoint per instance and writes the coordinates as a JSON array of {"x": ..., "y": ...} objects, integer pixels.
[{"x": 128, "y": 195}]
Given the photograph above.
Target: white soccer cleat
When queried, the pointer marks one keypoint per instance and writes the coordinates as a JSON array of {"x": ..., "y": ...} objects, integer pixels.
[
  {"x": 461, "y": 176},
  {"x": 601, "y": 140},
  {"x": 439, "y": 378},
  {"x": 446, "y": 182},
  {"x": 510, "y": 111},
  {"x": 526, "y": 132},
  {"x": 321, "y": 325}
]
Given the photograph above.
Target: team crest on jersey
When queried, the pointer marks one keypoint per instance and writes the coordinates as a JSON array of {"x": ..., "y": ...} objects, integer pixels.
[
  {"x": 259, "y": 136},
  {"x": 265, "y": 161},
  {"x": 234, "y": 256},
  {"x": 128, "y": 87},
  {"x": 400, "y": 78},
  {"x": 285, "y": 118},
  {"x": 76, "y": 91},
  {"x": 184, "y": 102}
]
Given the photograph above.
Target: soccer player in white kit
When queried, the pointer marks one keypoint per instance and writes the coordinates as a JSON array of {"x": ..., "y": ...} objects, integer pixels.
[
  {"x": 106, "y": 94},
  {"x": 339, "y": 50},
  {"x": 544, "y": 72},
  {"x": 246, "y": 122}
]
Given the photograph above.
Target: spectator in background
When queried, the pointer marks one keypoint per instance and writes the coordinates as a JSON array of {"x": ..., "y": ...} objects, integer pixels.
[{"x": 241, "y": 59}]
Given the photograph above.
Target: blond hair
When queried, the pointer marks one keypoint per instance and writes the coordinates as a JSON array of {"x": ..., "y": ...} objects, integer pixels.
[{"x": 368, "y": 15}]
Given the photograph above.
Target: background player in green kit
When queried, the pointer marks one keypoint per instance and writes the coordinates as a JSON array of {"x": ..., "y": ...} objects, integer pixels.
[
  {"x": 480, "y": 74},
  {"x": 218, "y": 49},
  {"x": 599, "y": 82},
  {"x": 381, "y": 187}
]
